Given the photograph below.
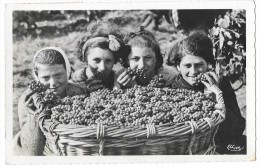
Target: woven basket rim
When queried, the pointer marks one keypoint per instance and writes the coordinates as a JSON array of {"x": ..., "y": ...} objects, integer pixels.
[
  {"x": 168, "y": 129},
  {"x": 154, "y": 136}
]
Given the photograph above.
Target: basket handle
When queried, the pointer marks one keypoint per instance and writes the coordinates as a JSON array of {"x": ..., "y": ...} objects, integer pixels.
[
  {"x": 100, "y": 136},
  {"x": 42, "y": 116},
  {"x": 151, "y": 131},
  {"x": 194, "y": 128}
]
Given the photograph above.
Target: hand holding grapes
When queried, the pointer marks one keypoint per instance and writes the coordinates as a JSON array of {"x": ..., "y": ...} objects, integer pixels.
[
  {"x": 125, "y": 79},
  {"x": 211, "y": 83},
  {"x": 33, "y": 101}
]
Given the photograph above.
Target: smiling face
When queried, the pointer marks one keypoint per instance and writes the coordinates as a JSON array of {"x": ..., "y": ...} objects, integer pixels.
[
  {"x": 190, "y": 66},
  {"x": 53, "y": 76},
  {"x": 143, "y": 58},
  {"x": 100, "y": 60}
]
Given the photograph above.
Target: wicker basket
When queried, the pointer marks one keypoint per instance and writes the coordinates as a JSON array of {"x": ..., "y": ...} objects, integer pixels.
[{"x": 187, "y": 138}]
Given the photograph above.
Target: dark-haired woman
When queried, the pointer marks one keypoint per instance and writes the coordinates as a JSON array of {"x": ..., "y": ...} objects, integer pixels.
[
  {"x": 100, "y": 50},
  {"x": 192, "y": 56},
  {"x": 144, "y": 54}
]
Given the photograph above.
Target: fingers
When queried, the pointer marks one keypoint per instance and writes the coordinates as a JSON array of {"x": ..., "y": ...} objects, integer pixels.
[
  {"x": 29, "y": 102},
  {"x": 28, "y": 93},
  {"x": 215, "y": 76},
  {"x": 127, "y": 81},
  {"x": 121, "y": 76},
  {"x": 124, "y": 79},
  {"x": 37, "y": 102},
  {"x": 206, "y": 84},
  {"x": 211, "y": 87},
  {"x": 209, "y": 79},
  {"x": 31, "y": 108}
]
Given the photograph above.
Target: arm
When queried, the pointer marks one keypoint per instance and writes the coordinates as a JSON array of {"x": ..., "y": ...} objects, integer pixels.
[
  {"x": 89, "y": 84},
  {"x": 32, "y": 138},
  {"x": 169, "y": 73},
  {"x": 123, "y": 80},
  {"x": 234, "y": 123}
]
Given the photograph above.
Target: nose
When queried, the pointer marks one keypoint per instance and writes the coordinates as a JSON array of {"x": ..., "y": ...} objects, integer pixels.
[
  {"x": 101, "y": 66},
  {"x": 193, "y": 70},
  {"x": 141, "y": 64},
  {"x": 53, "y": 83}
]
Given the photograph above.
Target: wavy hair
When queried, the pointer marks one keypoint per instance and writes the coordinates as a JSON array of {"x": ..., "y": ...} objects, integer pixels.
[{"x": 197, "y": 43}]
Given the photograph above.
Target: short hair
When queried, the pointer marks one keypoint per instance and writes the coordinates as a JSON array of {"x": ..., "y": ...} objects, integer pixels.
[
  {"x": 49, "y": 57},
  {"x": 100, "y": 28},
  {"x": 143, "y": 38},
  {"x": 197, "y": 43}
]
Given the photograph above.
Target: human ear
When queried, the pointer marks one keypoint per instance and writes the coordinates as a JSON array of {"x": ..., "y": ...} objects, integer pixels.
[{"x": 178, "y": 67}]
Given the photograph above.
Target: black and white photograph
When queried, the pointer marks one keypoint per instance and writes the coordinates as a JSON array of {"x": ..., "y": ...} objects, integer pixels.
[{"x": 160, "y": 81}]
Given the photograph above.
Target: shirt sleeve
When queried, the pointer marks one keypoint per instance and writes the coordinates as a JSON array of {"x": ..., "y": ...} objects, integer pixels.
[
  {"x": 234, "y": 124},
  {"x": 79, "y": 77},
  {"x": 169, "y": 73},
  {"x": 31, "y": 137},
  {"x": 116, "y": 75}
]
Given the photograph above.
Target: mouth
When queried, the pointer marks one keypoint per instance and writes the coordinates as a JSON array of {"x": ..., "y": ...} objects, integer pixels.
[
  {"x": 193, "y": 78},
  {"x": 53, "y": 89}
]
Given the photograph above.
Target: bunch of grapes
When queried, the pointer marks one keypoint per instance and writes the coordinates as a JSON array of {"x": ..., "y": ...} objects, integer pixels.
[
  {"x": 200, "y": 77},
  {"x": 157, "y": 81},
  {"x": 139, "y": 73},
  {"x": 37, "y": 86},
  {"x": 137, "y": 106},
  {"x": 99, "y": 75},
  {"x": 47, "y": 97}
]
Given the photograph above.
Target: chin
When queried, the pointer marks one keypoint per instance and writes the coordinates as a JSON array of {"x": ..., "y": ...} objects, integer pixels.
[{"x": 57, "y": 92}]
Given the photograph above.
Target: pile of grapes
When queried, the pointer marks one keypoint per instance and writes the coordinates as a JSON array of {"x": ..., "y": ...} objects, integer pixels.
[
  {"x": 157, "y": 81},
  {"x": 47, "y": 97},
  {"x": 135, "y": 106},
  {"x": 139, "y": 73}
]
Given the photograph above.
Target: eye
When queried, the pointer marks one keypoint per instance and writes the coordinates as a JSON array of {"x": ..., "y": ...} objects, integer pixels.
[
  {"x": 97, "y": 60},
  {"x": 45, "y": 78},
  {"x": 200, "y": 65},
  {"x": 135, "y": 58},
  {"x": 148, "y": 58},
  {"x": 187, "y": 65},
  {"x": 108, "y": 61},
  {"x": 59, "y": 75}
]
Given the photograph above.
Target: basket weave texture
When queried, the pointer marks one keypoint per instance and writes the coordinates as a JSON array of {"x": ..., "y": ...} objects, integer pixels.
[{"x": 187, "y": 138}]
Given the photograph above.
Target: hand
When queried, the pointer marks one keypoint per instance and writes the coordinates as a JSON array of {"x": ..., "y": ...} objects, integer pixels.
[
  {"x": 33, "y": 101},
  {"x": 213, "y": 88},
  {"x": 161, "y": 83},
  {"x": 212, "y": 78},
  {"x": 93, "y": 85},
  {"x": 125, "y": 79}
]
